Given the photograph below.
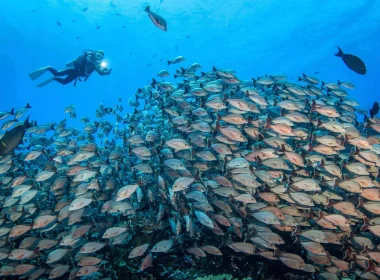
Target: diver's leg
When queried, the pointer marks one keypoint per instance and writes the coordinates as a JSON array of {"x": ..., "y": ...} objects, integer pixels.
[
  {"x": 64, "y": 72},
  {"x": 67, "y": 80},
  {"x": 38, "y": 73}
]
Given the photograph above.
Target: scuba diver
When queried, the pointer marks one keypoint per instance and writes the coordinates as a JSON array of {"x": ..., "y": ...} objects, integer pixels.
[{"x": 82, "y": 66}]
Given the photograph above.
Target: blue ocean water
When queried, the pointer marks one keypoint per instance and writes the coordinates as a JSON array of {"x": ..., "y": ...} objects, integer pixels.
[{"x": 255, "y": 38}]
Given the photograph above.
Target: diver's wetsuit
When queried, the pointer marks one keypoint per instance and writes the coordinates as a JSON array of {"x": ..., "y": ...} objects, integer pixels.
[
  {"x": 84, "y": 65},
  {"x": 71, "y": 73}
]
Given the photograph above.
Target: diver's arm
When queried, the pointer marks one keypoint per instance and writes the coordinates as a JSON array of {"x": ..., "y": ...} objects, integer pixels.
[{"x": 102, "y": 71}]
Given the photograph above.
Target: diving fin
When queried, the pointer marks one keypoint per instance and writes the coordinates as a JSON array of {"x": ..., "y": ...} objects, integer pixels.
[
  {"x": 38, "y": 73},
  {"x": 46, "y": 82}
]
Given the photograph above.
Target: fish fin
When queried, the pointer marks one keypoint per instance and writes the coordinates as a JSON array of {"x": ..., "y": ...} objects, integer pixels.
[
  {"x": 304, "y": 75},
  {"x": 254, "y": 81},
  {"x": 340, "y": 52},
  {"x": 352, "y": 266},
  {"x": 197, "y": 176},
  {"x": 311, "y": 147},
  {"x": 365, "y": 224},
  {"x": 277, "y": 253},
  {"x": 297, "y": 239},
  {"x": 147, "y": 9},
  {"x": 300, "y": 79},
  {"x": 12, "y": 112},
  {"x": 339, "y": 82},
  {"x": 321, "y": 215},
  {"x": 282, "y": 149},
  {"x": 28, "y": 106},
  {"x": 313, "y": 105},
  {"x": 37, "y": 251},
  {"x": 365, "y": 250},
  {"x": 169, "y": 62},
  {"x": 297, "y": 231},
  {"x": 27, "y": 124},
  {"x": 370, "y": 266},
  {"x": 268, "y": 122},
  {"x": 361, "y": 203},
  {"x": 329, "y": 204},
  {"x": 153, "y": 83}
]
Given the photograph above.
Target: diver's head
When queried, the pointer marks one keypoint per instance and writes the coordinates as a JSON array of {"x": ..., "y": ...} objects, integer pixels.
[{"x": 99, "y": 54}]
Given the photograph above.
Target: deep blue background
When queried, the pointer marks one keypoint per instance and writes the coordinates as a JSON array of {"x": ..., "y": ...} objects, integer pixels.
[{"x": 255, "y": 37}]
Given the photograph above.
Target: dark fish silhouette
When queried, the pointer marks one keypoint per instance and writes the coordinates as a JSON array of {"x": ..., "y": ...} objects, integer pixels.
[
  {"x": 118, "y": 14},
  {"x": 85, "y": 9},
  {"x": 59, "y": 24},
  {"x": 12, "y": 138},
  {"x": 97, "y": 27},
  {"x": 74, "y": 20},
  {"x": 123, "y": 26},
  {"x": 158, "y": 20},
  {"x": 353, "y": 62},
  {"x": 32, "y": 11},
  {"x": 375, "y": 109}
]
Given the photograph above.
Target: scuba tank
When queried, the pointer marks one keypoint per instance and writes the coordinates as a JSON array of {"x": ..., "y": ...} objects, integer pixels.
[{"x": 83, "y": 65}]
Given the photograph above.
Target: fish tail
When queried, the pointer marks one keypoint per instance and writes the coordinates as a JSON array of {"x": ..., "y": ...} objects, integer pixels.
[
  {"x": 27, "y": 124},
  {"x": 370, "y": 266},
  {"x": 197, "y": 176},
  {"x": 329, "y": 204},
  {"x": 153, "y": 83},
  {"x": 365, "y": 224},
  {"x": 340, "y": 52},
  {"x": 208, "y": 143},
  {"x": 360, "y": 203},
  {"x": 147, "y": 9}
]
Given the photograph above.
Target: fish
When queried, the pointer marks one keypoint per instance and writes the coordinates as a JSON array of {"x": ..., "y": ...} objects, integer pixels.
[
  {"x": 4, "y": 115},
  {"x": 157, "y": 19},
  {"x": 58, "y": 23},
  {"x": 353, "y": 62},
  {"x": 176, "y": 60},
  {"x": 374, "y": 110},
  {"x": 208, "y": 166},
  {"x": 12, "y": 138},
  {"x": 85, "y": 9}
]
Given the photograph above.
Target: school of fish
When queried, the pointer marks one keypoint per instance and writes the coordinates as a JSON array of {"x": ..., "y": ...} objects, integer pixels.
[{"x": 247, "y": 163}]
